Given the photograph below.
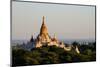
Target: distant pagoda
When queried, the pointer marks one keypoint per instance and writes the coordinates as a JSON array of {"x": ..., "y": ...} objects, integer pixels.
[
  {"x": 44, "y": 36},
  {"x": 44, "y": 39}
]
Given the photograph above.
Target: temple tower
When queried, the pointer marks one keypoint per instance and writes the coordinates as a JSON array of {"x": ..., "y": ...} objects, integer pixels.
[
  {"x": 43, "y": 29},
  {"x": 44, "y": 36}
]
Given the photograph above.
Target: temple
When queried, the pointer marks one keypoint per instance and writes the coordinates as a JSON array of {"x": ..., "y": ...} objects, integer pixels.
[{"x": 44, "y": 38}]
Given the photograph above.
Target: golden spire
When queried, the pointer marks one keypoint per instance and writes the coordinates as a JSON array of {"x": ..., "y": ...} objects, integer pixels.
[
  {"x": 43, "y": 20},
  {"x": 43, "y": 29}
]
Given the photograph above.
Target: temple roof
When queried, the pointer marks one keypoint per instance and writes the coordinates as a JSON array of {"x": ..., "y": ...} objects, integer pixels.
[{"x": 43, "y": 29}]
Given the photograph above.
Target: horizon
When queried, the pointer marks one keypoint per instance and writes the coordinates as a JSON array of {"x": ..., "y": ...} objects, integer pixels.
[
  {"x": 58, "y": 39},
  {"x": 15, "y": 42}
]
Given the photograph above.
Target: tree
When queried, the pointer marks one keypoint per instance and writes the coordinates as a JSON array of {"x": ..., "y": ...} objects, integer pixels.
[
  {"x": 75, "y": 44},
  {"x": 51, "y": 55}
]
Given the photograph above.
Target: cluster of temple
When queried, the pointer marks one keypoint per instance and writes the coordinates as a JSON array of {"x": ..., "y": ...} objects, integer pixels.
[{"x": 45, "y": 39}]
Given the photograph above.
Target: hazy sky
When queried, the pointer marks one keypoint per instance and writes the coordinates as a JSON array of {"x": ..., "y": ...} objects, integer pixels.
[{"x": 66, "y": 21}]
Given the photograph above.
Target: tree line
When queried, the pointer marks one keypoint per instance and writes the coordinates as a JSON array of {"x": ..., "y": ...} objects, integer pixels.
[{"x": 53, "y": 55}]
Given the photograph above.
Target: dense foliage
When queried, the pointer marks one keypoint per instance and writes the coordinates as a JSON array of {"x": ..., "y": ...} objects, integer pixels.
[{"x": 52, "y": 55}]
